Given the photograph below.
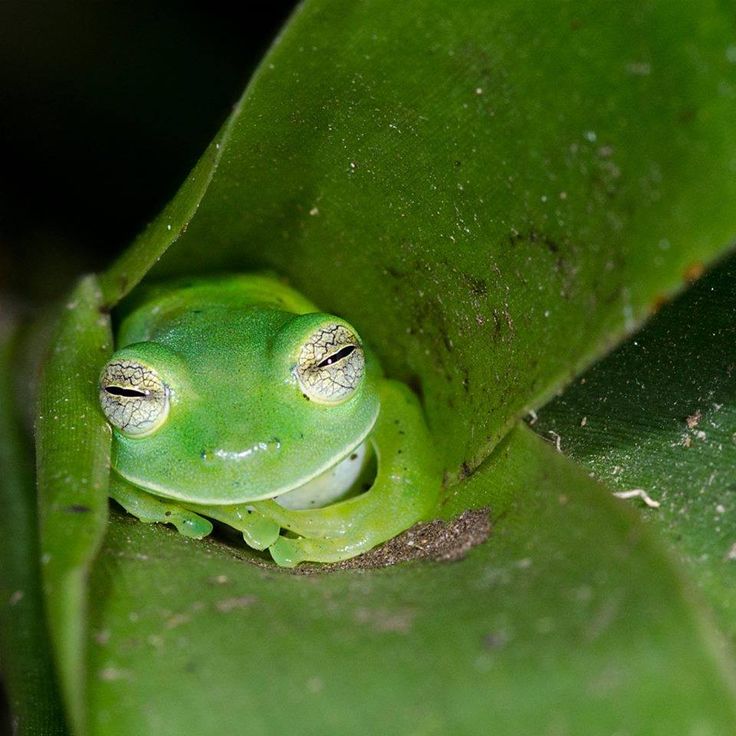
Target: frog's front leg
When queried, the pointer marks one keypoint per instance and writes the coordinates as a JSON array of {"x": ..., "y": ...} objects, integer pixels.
[
  {"x": 151, "y": 509},
  {"x": 404, "y": 492}
]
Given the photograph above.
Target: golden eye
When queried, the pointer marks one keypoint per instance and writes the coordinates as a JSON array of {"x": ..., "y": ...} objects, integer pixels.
[
  {"x": 331, "y": 364},
  {"x": 133, "y": 397}
]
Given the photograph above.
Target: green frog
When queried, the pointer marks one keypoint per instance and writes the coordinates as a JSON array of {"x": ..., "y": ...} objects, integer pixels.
[{"x": 234, "y": 398}]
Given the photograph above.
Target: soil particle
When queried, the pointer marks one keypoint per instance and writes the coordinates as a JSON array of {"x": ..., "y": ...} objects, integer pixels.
[
  {"x": 437, "y": 541},
  {"x": 694, "y": 419}
]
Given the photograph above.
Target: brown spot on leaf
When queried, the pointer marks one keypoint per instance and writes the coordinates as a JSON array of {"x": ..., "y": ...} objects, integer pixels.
[
  {"x": 77, "y": 509},
  {"x": 659, "y": 301},
  {"x": 437, "y": 541},
  {"x": 465, "y": 471},
  {"x": 693, "y": 272}
]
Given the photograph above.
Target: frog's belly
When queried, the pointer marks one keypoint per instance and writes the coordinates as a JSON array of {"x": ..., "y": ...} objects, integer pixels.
[{"x": 340, "y": 480}]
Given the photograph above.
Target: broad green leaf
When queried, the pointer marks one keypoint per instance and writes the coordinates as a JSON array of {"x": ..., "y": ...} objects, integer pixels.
[
  {"x": 660, "y": 414},
  {"x": 492, "y": 192},
  {"x": 25, "y": 658},
  {"x": 73, "y": 456},
  {"x": 569, "y": 620}
]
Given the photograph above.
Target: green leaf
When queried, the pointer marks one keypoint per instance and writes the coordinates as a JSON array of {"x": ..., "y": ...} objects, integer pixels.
[
  {"x": 660, "y": 415},
  {"x": 25, "y": 659},
  {"x": 525, "y": 178},
  {"x": 73, "y": 459},
  {"x": 568, "y": 620},
  {"x": 494, "y": 193}
]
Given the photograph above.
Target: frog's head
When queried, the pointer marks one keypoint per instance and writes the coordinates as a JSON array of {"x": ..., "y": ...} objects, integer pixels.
[{"x": 227, "y": 409}]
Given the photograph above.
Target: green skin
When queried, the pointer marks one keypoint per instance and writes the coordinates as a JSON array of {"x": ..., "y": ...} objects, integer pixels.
[{"x": 241, "y": 431}]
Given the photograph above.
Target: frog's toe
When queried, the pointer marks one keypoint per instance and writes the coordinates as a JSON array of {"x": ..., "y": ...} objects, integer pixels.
[
  {"x": 189, "y": 524},
  {"x": 261, "y": 532},
  {"x": 286, "y": 552}
]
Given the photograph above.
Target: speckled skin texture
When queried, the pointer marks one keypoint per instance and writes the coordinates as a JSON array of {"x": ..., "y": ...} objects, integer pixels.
[{"x": 226, "y": 393}]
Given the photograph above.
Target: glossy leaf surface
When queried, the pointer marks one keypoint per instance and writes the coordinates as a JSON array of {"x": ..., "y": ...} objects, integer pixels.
[
  {"x": 494, "y": 194},
  {"x": 568, "y": 611},
  {"x": 660, "y": 414}
]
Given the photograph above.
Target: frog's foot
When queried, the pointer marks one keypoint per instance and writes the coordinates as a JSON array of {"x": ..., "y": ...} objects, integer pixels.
[
  {"x": 259, "y": 531},
  {"x": 404, "y": 492},
  {"x": 289, "y": 552},
  {"x": 150, "y": 509}
]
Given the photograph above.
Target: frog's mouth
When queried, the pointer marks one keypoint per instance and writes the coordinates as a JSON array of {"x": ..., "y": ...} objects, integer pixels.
[
  {"x": 347, "y": 477},
  {"x": 225, "y": 476}
]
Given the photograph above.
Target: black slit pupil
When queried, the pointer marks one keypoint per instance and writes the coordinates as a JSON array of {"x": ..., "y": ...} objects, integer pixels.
[
  {"x": 130, "y": 393},
  {"x": 339, "y": 355}
]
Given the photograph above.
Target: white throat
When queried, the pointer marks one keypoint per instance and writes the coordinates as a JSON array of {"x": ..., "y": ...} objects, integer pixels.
[{"x": 329, "y": 486}]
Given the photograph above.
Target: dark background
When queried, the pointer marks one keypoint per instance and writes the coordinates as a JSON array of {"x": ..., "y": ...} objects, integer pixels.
[{"x": 104, "y": 108}]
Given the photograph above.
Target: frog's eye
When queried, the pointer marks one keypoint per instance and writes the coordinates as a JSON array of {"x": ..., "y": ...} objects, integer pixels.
[
  {"x": 331, "y": 364},
  {"x": 133, "y": 397}
]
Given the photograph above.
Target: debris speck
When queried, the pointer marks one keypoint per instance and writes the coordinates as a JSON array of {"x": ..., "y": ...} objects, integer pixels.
[
  {"x": 398, "y": 621},
  {"x": 558, "y": 440},
  {"x": 16, "y": 597},
  {"x": 532, "y": 417},
  {"x": 232, "y": 604},
  {"x": 496, "y": 640},
  {"x": 638, "y": 493},
  {"x": 314, "y": 211},
  {"x": 110, "y": 674},
  {"x": 720, "y": 509},
  {"x": 694, "y": 419},
  {"x": 731, "y": 554},
  {"x": 639, "y": 68},
  {"x": 102, "y": 637},
  {"x": 177, "y": 620},
  {"x": 583, "y": 421}
]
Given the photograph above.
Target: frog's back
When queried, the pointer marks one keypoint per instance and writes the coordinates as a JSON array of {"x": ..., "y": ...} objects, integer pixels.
[{"x": 158, "y": 306}]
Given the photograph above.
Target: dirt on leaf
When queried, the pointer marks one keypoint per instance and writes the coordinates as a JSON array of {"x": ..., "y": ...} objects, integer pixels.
[{"x": 435, "y": 541}]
